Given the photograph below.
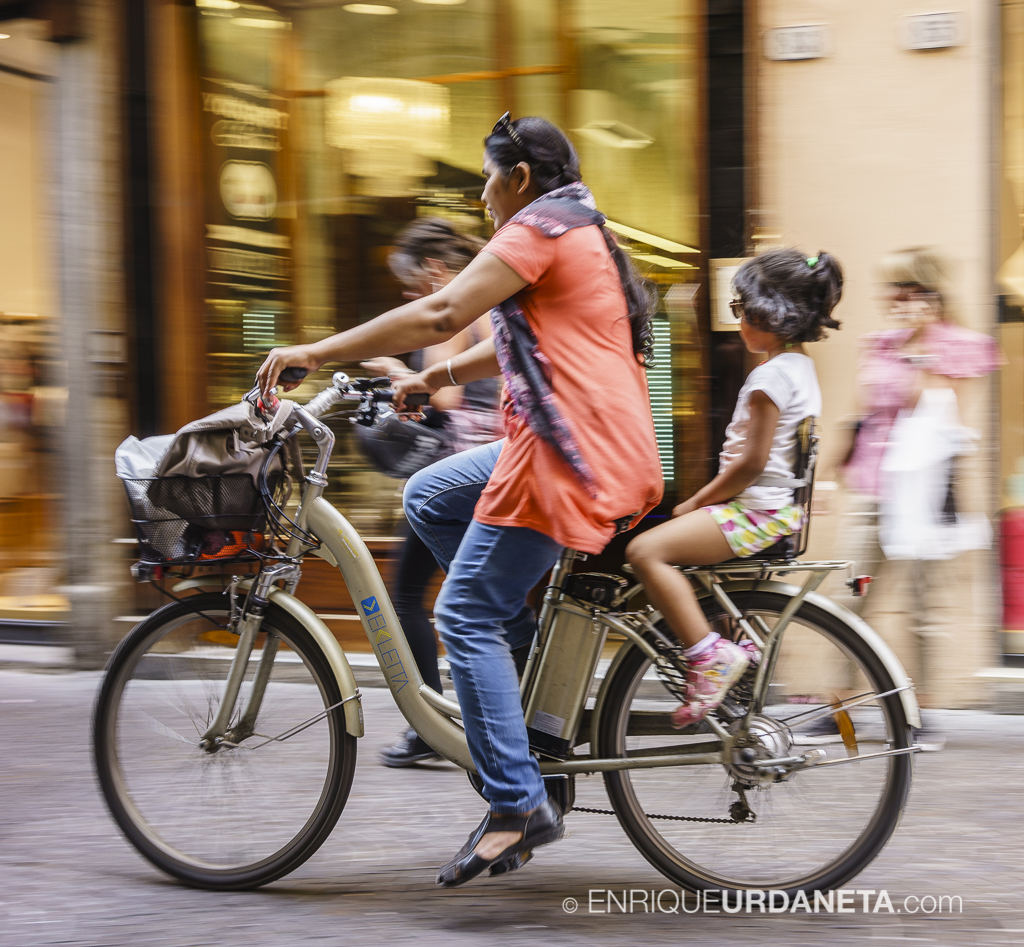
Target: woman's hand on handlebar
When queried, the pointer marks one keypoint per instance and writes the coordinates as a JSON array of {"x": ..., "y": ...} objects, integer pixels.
[
  {"x": 406, "y": 385},
  {"x": 293, "y": 356}
]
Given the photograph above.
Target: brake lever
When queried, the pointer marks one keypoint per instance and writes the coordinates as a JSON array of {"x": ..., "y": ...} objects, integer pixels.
[{"x": 254, "y": 398}]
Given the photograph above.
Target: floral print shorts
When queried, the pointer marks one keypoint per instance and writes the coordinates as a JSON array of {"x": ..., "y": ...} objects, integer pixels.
[{"x": 749, "y": 531}]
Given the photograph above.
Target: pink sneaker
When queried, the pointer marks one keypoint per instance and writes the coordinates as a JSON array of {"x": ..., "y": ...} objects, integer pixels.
[
  {"x": 752, "y": 651},
  {"x": 708, "y": 681}
]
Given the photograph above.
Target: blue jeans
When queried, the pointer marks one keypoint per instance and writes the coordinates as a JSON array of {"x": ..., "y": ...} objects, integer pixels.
[{"x": 481, "y": 614}]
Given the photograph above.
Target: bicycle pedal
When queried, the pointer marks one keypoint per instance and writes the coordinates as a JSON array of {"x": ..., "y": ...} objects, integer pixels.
[{"x": 513, "y": 863}]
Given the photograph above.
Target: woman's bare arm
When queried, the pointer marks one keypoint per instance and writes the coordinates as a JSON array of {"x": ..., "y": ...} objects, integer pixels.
[
  {"x": 478, "y": 362},
  {"x": 424, "y": 322},
  {"x": 452, "y": 397}
]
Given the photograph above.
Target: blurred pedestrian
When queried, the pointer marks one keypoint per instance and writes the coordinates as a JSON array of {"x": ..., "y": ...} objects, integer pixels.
[
  {"x": 426, "y": 257},
  {"x": 903, "y": 523}
]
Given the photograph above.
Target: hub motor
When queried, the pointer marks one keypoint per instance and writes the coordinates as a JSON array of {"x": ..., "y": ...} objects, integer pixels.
[{"x": 767, "y": 739}]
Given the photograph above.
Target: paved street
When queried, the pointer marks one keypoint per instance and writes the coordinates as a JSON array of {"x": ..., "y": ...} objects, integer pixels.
[{"x": 67, "y": 877}]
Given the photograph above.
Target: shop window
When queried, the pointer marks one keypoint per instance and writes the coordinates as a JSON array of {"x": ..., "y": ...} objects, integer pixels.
[{"x": 328, "y": 131}]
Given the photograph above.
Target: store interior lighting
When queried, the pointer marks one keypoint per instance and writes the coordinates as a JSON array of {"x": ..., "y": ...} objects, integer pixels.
[
  {"x": 218, "y": 4},
  {"x": 392, "y": 130},
  {"x": 261, "y": 24},
  {"x": 373, "y": 9},
  {"x": 652, "y": 240},
  {"x": 442, "y": 3}
]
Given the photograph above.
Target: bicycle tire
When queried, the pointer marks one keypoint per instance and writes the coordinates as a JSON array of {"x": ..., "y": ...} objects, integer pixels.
[
  {"x": 684, "y": 868},
  {"x": 114, "y": 783}
]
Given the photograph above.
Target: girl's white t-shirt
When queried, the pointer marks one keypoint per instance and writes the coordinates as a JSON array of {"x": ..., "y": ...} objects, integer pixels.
[{"x": 791, "y": 382}]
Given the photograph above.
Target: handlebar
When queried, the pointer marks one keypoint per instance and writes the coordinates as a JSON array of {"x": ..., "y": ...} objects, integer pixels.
[
  {"x": 368, "y": 391},
  {"x": 416, "y": 399},
  {"x": 293, "y": 375}
]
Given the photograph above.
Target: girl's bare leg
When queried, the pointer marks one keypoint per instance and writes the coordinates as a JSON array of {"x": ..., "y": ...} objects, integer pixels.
[{"x": 692, "y": 540}]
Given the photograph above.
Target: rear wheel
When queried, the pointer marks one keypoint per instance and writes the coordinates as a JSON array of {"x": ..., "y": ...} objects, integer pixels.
[
  {"x": 234, "y": 816},
  {"x": 726, "y": 826}
]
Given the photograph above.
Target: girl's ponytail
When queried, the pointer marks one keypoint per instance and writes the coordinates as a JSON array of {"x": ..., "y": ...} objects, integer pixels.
[{"x": 828, "y": 280}]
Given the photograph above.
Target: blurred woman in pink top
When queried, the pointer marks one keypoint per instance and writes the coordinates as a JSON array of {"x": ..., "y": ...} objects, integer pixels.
[{"x": 903, "y": 516}]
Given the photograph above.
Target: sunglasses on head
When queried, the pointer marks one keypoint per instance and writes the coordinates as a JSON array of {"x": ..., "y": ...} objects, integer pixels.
[{"x": 504, "y": 124}]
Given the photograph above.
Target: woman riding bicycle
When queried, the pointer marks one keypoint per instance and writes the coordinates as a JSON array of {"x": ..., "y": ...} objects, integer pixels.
[{"x": 579, "y": 461}]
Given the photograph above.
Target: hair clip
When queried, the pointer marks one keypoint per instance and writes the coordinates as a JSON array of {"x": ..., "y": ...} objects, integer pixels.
[{"x": 812, "y": 261}]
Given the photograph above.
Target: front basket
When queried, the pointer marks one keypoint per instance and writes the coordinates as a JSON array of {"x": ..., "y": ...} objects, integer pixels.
[{"x": 193, "y": 519}]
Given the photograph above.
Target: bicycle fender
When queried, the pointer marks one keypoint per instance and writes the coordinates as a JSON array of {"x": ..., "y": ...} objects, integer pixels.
[
  {"x": 320, "y": 633},
  {"x": 303, "y": 614},
  {"x": 602, "y": 691},
  {"x": 868, "y": 634}
]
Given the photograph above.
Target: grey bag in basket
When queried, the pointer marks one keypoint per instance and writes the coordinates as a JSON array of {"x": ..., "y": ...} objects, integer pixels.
[{"x": 228, "y": 445}]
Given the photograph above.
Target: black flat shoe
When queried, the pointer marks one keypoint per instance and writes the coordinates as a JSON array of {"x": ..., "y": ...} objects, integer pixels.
[
  {"x": 540, "y": 827},
  {"x": 408, "y": 750},
  {"x": 503, "y": 865}
]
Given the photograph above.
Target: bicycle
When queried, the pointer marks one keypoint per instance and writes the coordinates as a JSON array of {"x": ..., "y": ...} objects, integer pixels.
[{"x": 237, "y": 692}]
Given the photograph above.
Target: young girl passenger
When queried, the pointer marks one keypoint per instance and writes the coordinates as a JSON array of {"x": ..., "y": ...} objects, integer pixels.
[{"x": 785, "y": 299}]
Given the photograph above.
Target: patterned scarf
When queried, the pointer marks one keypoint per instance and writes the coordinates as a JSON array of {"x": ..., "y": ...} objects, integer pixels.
[{"x": 526, "y": 371}]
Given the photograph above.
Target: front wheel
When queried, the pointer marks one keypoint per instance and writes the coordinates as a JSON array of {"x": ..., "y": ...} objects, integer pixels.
[
  {"x": 234, "y": 815},
  {"x": 726, "y": 827}
]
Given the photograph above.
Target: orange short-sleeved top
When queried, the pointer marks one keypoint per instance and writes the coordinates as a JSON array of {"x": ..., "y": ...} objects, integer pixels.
[{"x": 577, "y": 311}]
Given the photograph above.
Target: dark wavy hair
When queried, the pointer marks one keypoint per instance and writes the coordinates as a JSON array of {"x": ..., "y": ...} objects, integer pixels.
[
  {"x": 790, "y": 295},
  {"x": 431, "y": 238},
  {"x": 553, "y": 164}
]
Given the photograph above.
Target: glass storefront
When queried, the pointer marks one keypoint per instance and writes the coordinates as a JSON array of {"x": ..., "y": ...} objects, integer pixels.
[
  {"x": 329, "y": 129},
  {"x": 31, "y": 407}
]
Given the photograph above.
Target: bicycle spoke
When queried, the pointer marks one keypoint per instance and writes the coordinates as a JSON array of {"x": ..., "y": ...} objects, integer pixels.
[{"x": 157, "y": 727}]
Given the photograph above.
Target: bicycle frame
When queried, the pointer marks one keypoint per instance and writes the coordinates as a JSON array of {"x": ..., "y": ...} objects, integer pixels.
[
  {"x": 429, "y": 713},
  {"x": 433, "y": 716}
]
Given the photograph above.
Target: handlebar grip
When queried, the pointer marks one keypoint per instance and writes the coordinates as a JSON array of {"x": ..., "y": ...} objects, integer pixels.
[
  {"x": 292, "y": 375},
  {"x": 413, "y": 401}
]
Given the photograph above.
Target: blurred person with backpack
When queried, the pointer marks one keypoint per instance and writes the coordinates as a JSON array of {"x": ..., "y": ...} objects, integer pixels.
[{"x": 427, "y": 256}]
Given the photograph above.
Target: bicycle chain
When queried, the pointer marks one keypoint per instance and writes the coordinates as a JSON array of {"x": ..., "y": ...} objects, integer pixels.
[{"x": 670, "y": 818}]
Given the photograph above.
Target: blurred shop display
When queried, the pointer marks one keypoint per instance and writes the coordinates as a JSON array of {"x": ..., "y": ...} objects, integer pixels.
[
  {"x": 29, "y": 410},
  {"x": 327, "y": 129},
  {"x": 1011, "y": 556}
]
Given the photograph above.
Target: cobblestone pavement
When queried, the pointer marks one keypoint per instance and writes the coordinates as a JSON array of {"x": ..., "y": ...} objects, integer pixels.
[{"x": 67, "y": 877}]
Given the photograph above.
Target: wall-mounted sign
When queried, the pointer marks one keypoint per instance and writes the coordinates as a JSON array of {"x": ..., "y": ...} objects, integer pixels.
[
  {"x": 248, "y": 240},
  {"x": 722, "y": 272},
  {"x": 248, "y": 190},
  {"x": 932, "y": 30},
  {"x": 786, "y": 43}
]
